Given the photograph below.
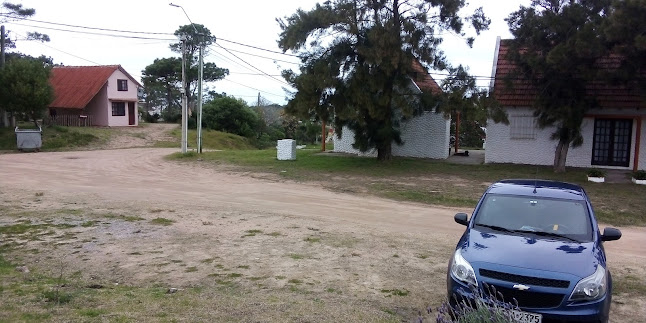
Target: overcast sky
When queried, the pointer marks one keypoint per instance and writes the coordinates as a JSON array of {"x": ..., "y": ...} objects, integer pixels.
[{"x": 247, "y": 22}]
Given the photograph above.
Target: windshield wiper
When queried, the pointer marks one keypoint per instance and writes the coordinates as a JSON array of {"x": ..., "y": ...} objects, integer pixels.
[
  {"x": 497, "y": 228},
  {"x": 549, "y": 234}
]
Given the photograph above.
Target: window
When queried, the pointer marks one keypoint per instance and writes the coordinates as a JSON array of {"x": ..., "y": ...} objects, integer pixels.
[
  {"x": 118, "y": 109},
  {"x": 522, "y": 127},
  {"x": 612, "y": 142},
  {"x": 122, "y": 85}
]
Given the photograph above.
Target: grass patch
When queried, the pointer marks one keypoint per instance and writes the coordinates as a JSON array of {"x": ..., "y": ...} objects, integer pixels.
[
  {"x": 444, "y": 183},
  {"x": 92, "y": 312},
  {"x": 629, "y": 284},
  {"x": 234, "y": 275},
  {"x": 395, "y": 292},
  {"x": 212, "y": 139},
  {"x": 57, "y": 138},
  {"x": 88, "y": 224},
  {"x": 251, "y": 233},
  {"x": 296, "y": 256},
  {"x": 162, "y": 221},
  {"x": 295, "y": 281},
  {"x": 275, "y": 234},
  {"x": 312, "y": 239},
  {"x": 191, "y": 269}
]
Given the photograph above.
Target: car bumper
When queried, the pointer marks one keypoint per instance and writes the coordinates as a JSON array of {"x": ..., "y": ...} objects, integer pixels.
[{"x": 589, "y": 312}]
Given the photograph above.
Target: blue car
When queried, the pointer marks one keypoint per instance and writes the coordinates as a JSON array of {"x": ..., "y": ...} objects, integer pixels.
[{"x": 538, "y": 244}]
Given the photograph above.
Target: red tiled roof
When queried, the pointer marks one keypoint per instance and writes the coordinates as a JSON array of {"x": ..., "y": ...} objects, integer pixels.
[
  {"x": 75, "y": 86},
  {"x": 423, "y": 80},
  {"x": 523, "y": 93}
]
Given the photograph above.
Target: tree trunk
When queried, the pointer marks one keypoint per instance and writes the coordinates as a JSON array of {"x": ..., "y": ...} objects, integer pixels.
[
  {"x": 385, "y": 153},
  {"x": 560, "y": 156}
]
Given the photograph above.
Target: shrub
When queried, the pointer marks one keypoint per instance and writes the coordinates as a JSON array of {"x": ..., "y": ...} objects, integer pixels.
[
  {"x": 485, "y": 308},
  {"x": 640, "y": 175},
  {"x": 595, "y": 172}
]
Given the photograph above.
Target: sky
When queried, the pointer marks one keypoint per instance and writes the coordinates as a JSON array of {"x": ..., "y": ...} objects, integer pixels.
[{"x": 246, "y": 22}]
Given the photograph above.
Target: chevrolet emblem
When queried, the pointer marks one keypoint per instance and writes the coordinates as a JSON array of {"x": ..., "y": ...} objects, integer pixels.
[{"x": 521, "y": 287}]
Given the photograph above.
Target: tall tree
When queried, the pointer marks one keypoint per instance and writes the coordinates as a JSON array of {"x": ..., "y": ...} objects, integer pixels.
[
  {"x": 357, "y": 56},
  {"x": 556, "y": 45},
  {"x": 625, "y": 31},
  {"x": 14, "y": 12},
  {"x": 25, "y": 88},
  {"x": 163, "y": 78}
]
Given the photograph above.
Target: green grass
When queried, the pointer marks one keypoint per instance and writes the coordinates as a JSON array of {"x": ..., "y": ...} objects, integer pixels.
[
  {"x": 447, "y": 184},
  {"x": 162, "y": 221},
  {"x": 212, "y": 139},
  {"x": 57, "y": 138}
]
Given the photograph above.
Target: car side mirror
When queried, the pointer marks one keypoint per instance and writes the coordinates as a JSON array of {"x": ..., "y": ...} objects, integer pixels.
[
  {"x": 462, "y": 218},
  {"x": 610, "y": 234}
]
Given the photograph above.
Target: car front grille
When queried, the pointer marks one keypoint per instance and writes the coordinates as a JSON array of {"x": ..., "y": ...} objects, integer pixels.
[
  {"x": 527, "y": 299},
  {"x": 525, "y": 280}
]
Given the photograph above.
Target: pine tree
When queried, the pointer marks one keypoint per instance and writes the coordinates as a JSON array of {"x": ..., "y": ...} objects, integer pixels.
[
  {"x": 357, "y": 56},
  {"x": 556, "y": 45}
]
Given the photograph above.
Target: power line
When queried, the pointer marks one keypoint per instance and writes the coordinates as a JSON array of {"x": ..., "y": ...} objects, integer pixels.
[
  {"x": 91, "y": 33},
  {"x": 274, "y": 59},
  {"x": 253, "y": 88},
  {"x": 62, "y": 51},
  {"x": 258, "y": 48},
  {"x": 257, "y": 69},
  {"x": 93, "y": 28}
]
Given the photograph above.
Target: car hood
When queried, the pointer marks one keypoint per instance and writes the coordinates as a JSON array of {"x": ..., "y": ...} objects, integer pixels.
[{"x": 487, "y": 248}]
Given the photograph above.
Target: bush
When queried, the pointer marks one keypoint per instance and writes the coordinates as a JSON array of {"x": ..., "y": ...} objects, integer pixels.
[
  {"x": 486, "y": 308},
  {"x": 172, "y": 115},
  {"x": 150, "y": 118},
  {"x": 640, "y": 175},
  {"x": 595, "y": 172},
  {"x": 229, "y": 115}
]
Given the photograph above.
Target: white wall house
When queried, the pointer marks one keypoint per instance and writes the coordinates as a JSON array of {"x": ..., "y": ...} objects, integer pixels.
[
  {"x": 613, "y": 135},
  {"x": 424, "y": 136}
]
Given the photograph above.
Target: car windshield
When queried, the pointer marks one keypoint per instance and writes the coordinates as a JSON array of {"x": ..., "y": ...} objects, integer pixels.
[{"x": 544, "y": 216}]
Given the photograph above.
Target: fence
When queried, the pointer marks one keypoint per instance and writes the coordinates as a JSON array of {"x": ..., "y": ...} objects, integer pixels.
[{"x": 69, "y": 120}]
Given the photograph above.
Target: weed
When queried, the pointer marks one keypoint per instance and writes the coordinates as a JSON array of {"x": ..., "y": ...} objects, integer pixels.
[
  {"x": 275, "y": 234},
  {"x": 395, "y": 292},
  {"x": 312, "y": 239},
  {"x": 162, "y": 221},
  {"x": 296, "y": 256},
  {"x": 92, "y": 312},
  {"x": 295, "y": 281},
  {"x": 234, "y": 275},
  {"x": 251, "y": 233},
  {"x": 88, "y": 224},
  {"x": 207, "y": 261},
  {"x": 156, "y": 211},
  {"x": 243, "y": 267},
  {"x": 39, "y": 194},
  {"x": 191, "y": 269}
]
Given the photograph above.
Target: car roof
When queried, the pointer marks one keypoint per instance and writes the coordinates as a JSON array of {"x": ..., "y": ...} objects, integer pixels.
[{"x": 539, "y": 188}]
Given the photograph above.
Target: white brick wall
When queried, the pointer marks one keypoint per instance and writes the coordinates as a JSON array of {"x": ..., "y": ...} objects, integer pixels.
[
  {"x": 642, "y": 149},
  {"x": 540, "y": 151},
  {"x": 426, "y": 136}
]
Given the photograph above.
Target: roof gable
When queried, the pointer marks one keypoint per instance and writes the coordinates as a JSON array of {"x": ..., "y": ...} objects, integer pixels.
[
  {"x": 75, "y": 86},
  {"x": 523, "y": 92},
  {"x": 423, "y": 80}
]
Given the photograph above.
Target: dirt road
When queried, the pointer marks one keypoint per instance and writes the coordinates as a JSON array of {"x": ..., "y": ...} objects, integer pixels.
[{"x": 195, "y": 197}]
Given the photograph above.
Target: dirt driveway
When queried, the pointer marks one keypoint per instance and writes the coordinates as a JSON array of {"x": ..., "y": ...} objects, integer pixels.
[{"x": 380, "y": 257}]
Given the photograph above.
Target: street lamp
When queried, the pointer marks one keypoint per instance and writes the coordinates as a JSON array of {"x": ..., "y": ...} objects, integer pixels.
[{"x": 199, "y": 91}]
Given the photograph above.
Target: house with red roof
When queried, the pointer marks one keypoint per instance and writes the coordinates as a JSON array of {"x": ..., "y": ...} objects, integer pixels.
[
  {"x": 613, "y": 133},
  {"x": 424, "y": 136},
  {"x": 105, "y": 95}
]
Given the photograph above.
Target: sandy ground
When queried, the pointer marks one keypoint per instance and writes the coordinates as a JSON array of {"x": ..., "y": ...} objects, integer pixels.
[{"x": 260, "y": 227}]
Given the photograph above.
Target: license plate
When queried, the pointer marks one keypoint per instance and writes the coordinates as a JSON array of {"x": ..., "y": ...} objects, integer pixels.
[{"x": 526, "y": 317}]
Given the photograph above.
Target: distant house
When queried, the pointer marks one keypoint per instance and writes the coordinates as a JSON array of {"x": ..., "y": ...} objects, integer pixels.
[
  {"x": 612, "y": 133},
  {"x": 100, "y": 95},
  {"x": 424, "y": 136}
]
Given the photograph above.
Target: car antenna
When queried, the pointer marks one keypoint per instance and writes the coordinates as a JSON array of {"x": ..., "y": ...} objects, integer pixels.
[{"x": 535, "y": 180}]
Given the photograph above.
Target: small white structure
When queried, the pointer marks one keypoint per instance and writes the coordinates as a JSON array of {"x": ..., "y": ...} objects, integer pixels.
[{"x": 286, "y": 149}]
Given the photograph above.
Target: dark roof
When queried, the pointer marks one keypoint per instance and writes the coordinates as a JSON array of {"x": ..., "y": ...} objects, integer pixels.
[
  {"x": 75, "y": 86},
  {"x": 423, "y": 80},
  {"x": 523, "y": 93}
]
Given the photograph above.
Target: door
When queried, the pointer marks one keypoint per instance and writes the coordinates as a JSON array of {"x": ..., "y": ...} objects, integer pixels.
[
  {"x": 131, "y": 113},
  {"x": 612, "y": 142}
]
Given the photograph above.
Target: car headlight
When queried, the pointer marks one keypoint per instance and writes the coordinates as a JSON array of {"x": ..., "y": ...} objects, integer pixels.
[
  {"x": 592, "y": 287},
  {"x": 462, "y": 270}
]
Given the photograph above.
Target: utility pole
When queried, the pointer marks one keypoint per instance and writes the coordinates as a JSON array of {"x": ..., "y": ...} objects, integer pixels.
[
  {"x": 199, "y": 99},
  {"x": 184, "y": 98},
  {"x": 5, "y": 117}
]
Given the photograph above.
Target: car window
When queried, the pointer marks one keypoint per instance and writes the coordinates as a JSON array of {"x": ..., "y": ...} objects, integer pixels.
[{"x": 529, "y": 213}]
